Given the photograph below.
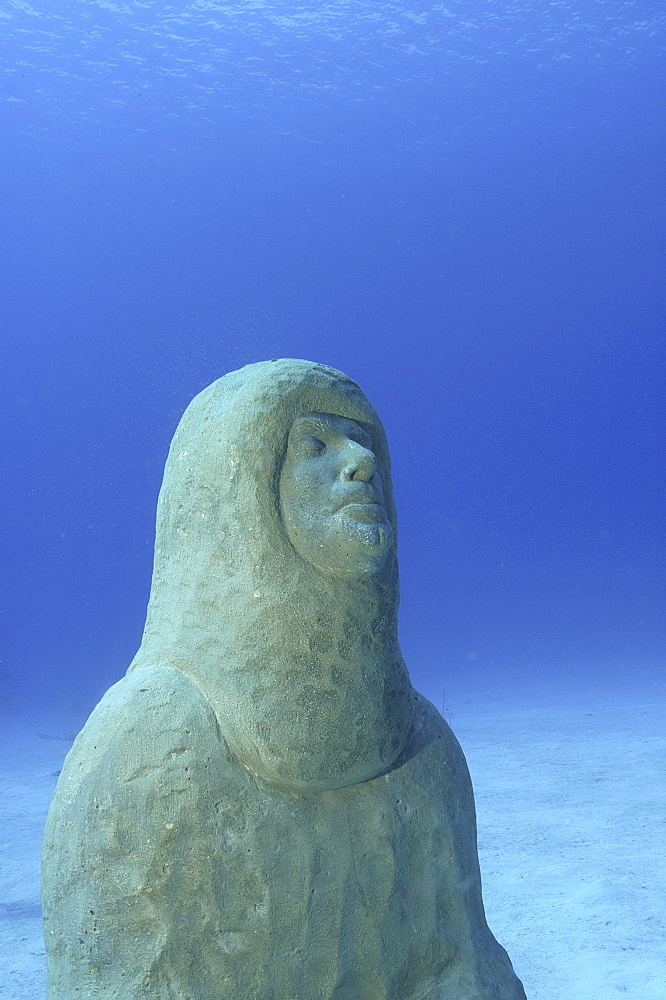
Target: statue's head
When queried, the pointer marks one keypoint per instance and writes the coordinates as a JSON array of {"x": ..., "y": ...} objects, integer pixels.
[
  {"x": 281, "y": 469},
  {"x": 275, "y": 580}
]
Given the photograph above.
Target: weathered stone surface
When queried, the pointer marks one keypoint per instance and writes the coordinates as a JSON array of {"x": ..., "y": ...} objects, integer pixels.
[{"x": 264, "y": 808}]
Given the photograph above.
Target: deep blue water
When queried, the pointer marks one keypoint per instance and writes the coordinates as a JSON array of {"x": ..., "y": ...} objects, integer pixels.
[{"x": 459, "y": 204}]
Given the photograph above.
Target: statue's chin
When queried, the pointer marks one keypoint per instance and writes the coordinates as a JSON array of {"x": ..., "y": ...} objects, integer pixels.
[{"x": 354, "y": 549}]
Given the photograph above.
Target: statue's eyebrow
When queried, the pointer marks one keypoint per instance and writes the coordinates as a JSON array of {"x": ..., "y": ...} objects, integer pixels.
[
  {"x": 314, "y": 423},
  {"x": 309, "y": 424}
]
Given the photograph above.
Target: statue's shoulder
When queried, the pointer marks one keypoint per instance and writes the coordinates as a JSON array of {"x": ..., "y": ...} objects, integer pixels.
[
  {"x": 428, "y": 724},
  {"x": 148, "y": 762},
  {"x": 151, "y": 693},
  {"x": 432, "y": 752},
  {"x": 127, "y": 838},
  {"x": 151, "y": 716}
]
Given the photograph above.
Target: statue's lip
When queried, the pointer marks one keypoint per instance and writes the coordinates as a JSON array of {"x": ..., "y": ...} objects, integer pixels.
[{"x": 360, "y": 502}]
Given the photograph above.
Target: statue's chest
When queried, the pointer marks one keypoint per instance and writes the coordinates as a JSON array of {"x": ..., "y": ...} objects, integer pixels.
[{"x": 334, "y": 896}]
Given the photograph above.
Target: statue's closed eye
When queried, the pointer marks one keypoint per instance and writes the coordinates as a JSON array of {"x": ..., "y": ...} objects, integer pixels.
[{"x": 306, "y": 446}]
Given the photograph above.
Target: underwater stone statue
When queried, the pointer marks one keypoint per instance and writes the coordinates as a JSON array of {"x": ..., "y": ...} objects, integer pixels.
[{"x": 264, "y": 808}]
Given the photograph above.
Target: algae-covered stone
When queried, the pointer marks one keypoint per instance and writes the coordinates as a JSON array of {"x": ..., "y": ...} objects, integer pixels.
[{"x": 264, "y": 808}]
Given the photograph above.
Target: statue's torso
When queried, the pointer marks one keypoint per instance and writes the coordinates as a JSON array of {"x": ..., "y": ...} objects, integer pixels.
[{"x": 182, "y": 875}]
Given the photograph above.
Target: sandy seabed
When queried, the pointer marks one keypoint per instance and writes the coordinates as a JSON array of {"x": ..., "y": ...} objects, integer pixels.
[{"x": 571, "y": 805}]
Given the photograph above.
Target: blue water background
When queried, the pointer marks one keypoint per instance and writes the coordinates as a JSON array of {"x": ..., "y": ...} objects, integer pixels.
[{"x": 459, "y": 204}]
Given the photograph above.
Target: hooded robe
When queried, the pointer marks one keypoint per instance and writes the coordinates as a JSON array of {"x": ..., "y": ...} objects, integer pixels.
[{"x": 263, "y": 808}]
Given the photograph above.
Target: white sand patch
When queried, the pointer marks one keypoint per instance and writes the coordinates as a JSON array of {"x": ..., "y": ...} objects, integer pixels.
[
  {"x": 571, "y": 805},
  {"x": 571, "y": 808}
]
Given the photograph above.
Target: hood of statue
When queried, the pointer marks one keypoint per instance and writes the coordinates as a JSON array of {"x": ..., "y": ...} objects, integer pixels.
[{"x": 275, "y": 582}]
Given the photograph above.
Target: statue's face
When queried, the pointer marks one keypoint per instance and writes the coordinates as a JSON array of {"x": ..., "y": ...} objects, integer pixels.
[{"x": 332, "y": 498}]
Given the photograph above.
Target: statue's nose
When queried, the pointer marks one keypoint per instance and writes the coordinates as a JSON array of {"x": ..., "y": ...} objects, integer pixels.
[{"x": 359, "y": 463}]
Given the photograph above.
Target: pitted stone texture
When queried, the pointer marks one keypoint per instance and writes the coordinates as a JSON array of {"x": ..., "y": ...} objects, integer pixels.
[{"x": 263, "y": 808}]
